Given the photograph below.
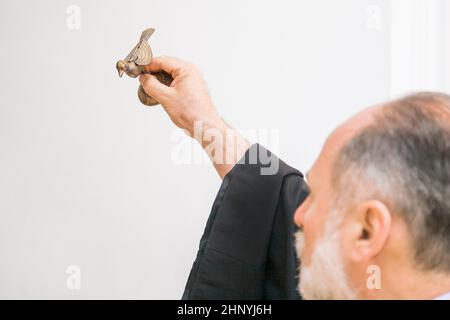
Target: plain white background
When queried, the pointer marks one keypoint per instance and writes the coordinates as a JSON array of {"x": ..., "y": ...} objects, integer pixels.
[{"x": 87, "y": 174}]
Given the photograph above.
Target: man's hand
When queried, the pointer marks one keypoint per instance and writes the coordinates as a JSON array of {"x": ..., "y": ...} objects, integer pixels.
[{"x": 187, "y": 101}]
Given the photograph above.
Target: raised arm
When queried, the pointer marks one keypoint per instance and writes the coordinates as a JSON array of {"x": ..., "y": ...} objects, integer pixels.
[
  {"x": 247, "y": 249},
  {"x": 189, "y": 106}
]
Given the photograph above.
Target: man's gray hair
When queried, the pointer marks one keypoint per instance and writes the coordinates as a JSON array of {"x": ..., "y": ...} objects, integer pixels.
[{"x": 403, "y": 159}]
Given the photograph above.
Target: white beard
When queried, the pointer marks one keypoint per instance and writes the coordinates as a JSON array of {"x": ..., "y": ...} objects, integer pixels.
[{"x": 324, "y": 278}]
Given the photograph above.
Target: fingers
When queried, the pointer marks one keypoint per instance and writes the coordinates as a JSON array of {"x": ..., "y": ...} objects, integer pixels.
[
  {"x": 171, "y": 65},
  {"x": 155, "y": 89}
]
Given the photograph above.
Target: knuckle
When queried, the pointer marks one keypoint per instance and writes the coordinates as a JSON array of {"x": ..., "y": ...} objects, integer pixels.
[
  {"x": 145, "y": 81},
  {"x": 190, "y": 66}
]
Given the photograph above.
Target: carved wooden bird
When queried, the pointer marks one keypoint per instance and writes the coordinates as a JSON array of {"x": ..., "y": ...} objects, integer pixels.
[{"x": 133, "y": 65}]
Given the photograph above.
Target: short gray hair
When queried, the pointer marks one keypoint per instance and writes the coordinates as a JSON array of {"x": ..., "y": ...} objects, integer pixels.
[{"x": 404, "y": 159}]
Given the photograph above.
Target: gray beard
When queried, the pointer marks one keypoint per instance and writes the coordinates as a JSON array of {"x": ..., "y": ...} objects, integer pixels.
[{"x": 324, "y": 278}]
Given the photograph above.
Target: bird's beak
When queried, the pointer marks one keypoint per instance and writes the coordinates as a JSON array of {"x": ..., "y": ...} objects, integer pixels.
[{"x": 120, "y": 66}]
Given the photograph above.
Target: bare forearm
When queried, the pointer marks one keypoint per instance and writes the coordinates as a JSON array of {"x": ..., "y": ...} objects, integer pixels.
[
  {"x": 223, "y": 145},
  {"x": 189, "y": 106}
]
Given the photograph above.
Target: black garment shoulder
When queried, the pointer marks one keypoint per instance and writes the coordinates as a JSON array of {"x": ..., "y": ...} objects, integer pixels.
[{"x": 247, "y": 249}]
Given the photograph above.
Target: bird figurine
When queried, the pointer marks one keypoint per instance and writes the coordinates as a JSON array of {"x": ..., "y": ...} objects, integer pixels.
[{"x": 134, "y": 65}]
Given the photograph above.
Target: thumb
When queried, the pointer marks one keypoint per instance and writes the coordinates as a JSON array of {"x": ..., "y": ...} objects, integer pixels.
[{"x": 154, "y": 88}]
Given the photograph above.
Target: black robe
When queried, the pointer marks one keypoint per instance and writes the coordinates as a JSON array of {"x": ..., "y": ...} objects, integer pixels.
[{"x": 247, "y": 250}]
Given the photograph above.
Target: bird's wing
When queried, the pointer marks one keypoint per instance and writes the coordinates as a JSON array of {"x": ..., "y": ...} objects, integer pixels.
[
  {"x": 143, "y": 54},
  {"x": 147, "y": 33},
  {"x": 131, "y": 56}
]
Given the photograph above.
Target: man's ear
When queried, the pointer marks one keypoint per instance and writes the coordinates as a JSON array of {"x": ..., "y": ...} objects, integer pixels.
[{"x": 371, "y": 226}]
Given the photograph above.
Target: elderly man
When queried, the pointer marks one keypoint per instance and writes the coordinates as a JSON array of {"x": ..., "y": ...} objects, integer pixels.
[{"x": 374, "y": 218}]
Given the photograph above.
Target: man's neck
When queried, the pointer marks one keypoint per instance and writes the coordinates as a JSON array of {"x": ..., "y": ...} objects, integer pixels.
[{"x": 411, "y": 285}]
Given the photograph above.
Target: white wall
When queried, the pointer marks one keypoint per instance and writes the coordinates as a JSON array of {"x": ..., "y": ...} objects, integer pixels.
[
  {"x": 87, "y": 176},
  {"x": 420, "y": 45}
]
